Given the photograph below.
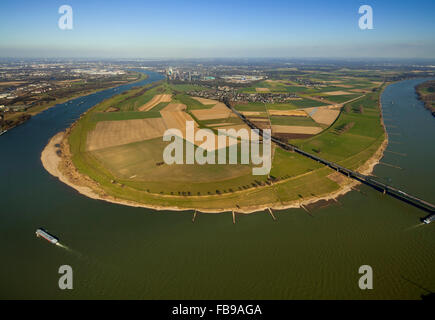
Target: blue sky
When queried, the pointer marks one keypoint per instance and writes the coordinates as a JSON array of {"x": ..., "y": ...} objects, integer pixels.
[{"x": 208, "y": 28}]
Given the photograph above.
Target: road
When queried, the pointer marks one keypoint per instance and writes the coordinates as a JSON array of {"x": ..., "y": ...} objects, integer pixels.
[{"x": 382, "y": 187}]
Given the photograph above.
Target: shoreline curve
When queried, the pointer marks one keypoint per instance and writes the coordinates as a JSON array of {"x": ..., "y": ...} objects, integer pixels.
[
  {"x": 55, "y": 160},
  {"x": 51, "y": 162}
]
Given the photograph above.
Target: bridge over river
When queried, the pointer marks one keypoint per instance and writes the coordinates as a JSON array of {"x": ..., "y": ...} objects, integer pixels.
[{"x": 368, "y": 180}]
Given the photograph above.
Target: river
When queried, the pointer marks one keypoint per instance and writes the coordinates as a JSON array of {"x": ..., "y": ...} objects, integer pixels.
[{"x": 135, "y": 253}]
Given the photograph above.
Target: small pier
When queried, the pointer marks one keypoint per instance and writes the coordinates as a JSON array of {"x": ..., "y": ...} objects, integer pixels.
[{"x": 271, "y": 213}]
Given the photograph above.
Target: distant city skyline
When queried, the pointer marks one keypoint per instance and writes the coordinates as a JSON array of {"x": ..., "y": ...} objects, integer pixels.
[{"x": 217, "y": 29}]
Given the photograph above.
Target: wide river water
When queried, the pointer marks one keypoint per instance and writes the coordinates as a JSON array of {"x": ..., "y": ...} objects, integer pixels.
[{"x": 122, "y": 252}]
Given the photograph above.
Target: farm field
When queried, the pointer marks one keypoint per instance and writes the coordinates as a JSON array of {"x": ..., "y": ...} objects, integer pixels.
[
  {"x": 119, "y": 145},
  {"x": 157, "y": 99},
  {"x": 426, "y": 93}
]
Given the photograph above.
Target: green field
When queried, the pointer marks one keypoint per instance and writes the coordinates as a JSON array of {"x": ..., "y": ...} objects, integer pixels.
[
  {"x": 181, "y": 88},
  {"x": 191, "y": 103},
  {"x": 340, "y": 99},
  {"x": 327, "y": 82},
  {"x": 307, "y": 103},
  {"x": 135, "y": 171},
  {"x": 129, "y": 115},
  {"x": 366, "y": 130},
  {"x": 251, "y": 106},
  {"x": 293, "y": 121},
  {"x": 277, "y": 87}
]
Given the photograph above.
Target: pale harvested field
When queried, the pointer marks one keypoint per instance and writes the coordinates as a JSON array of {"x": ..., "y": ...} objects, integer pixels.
[
  {"x": 174, "y": 107},
  {"x": 205, "y": 101},
  {"x": 337, "y": 93},
  {"x": 359, "y": 90},
  {"x": 344, "y": 85},
  {"x": 297, "y": 113},
  {"x": 115, "y": 133},
  {"x": 159, "y": 98},
  {"x": 311, "y": 111},
  {"x": 324, "y": 115},
  {"x": 252, "y": 113},
  {"x": 296, "y": 129},
  {"x": 274, "y": 81},
  {"x": 262, "y": 89},
  {"x": 12, "y": 83},
  {"x": 259, "y": 119},
  {"x": 175, "y": 118},
  {"x": 219, "y": 111}
]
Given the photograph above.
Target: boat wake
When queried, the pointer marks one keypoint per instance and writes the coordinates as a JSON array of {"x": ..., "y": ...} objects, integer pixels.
[
  {"x": 76, "y": 253},
  {"x": 414, "y": 227},
  {"x": 63, "y": 246}
]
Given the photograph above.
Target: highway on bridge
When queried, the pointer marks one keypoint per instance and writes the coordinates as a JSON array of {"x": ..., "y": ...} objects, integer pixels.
[{"x": 386, "y": 189}]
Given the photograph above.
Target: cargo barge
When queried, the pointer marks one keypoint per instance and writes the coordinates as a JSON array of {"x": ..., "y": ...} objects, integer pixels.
[
  {"x": 44, "y": 234},
  {"x": 428, "y": 219}
]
